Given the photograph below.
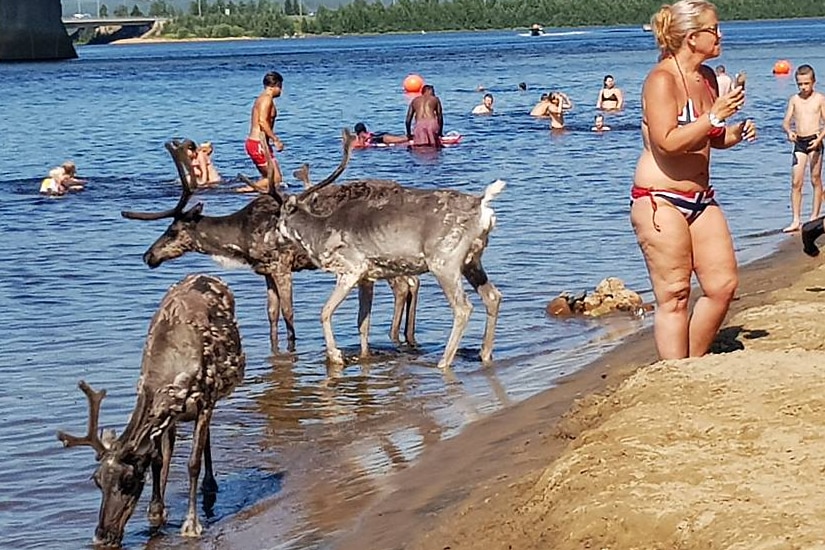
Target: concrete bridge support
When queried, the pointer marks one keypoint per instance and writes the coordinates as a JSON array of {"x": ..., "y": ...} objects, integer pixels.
[{"x": 32, "y": 30}]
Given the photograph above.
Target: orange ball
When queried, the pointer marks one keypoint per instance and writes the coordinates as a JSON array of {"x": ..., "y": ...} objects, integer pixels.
[
  {"x": 783, "y": 66},
  {"x": 413, "y": 84}
]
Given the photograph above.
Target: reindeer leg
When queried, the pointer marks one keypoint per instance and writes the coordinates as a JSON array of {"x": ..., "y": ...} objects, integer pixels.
[
  {"x": 399, "y": 292},
  {"x": 345, "y": 284},
  {"x": 366, "y": 290},
  {"x": 165, "y": 444},
  {"x": 273, "y": 308},
  {"x": 491, "y": 296},
  {"x": 412, "y": 306},
  {"x": 284, "y": 282},
  {"x": 192, "y": 526},
  {"x": 450, "y": 281}
]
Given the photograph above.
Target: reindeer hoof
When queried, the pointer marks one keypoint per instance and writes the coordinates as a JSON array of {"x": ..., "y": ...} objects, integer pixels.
[
  {"x": 157, "y": 514},
  {"x": 191, "y": 527}
]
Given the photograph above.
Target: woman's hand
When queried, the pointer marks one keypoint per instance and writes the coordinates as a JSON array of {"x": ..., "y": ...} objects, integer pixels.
[
  {"x": 727, "y": 105},
  {"x": 747, "y": 130}
]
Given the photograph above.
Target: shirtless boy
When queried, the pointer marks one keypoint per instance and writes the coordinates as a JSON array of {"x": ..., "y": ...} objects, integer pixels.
[
  {"x": 805, "y": 113},
  {"x": 429, "y": 119},
  {"x": 262, "y": 133}
]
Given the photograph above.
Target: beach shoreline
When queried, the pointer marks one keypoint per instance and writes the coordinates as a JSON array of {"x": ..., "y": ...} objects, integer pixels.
[{"x": 466, "y": 485}]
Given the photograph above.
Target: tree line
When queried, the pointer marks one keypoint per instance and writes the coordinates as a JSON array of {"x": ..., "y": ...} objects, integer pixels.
[{"x": 270, "y": 18}]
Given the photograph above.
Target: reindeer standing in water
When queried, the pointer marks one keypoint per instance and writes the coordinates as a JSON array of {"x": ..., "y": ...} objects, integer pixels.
[
  {"x": 192, "y": 358},
  {"x": 375, "y": 231},
  {"x": 251, "y": 236}
]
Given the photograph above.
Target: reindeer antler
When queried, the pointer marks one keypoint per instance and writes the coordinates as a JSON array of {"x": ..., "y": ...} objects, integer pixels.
[
  {"x": 349, "y": 141},
  {"x": 92, "y": 437},
  {"x": 181, "y": 158},
  {"x": 302, "y": 175}
]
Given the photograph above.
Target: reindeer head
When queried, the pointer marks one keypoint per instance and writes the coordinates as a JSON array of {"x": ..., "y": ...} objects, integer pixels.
[
  {"x": 177, "y": 239},
  {"x": 120, "y": 476}
]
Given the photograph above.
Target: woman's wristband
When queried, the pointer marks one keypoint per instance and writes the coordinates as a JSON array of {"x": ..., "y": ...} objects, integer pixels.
[{"x": 715, "y": 121}]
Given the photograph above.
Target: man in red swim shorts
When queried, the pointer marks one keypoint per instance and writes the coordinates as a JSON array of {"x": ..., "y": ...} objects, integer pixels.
[
  {"x": 429, "y": 119},
  {"x": 262, "y": 133}
]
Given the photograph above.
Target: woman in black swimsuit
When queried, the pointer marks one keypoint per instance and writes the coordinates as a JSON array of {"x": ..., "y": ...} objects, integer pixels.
[{"x": 611, "y": 98}]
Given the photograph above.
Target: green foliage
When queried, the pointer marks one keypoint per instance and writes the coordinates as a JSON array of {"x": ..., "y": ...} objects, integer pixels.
[
  {"x": 266, "y": 18},
  {"x": 136, "y": 11},
  {"x": 104, "y": 10},
  {"x": 121, "y": 11}
]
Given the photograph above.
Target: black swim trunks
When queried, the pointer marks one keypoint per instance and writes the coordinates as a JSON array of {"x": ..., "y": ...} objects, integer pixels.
[{"x": 803, "y": 143}]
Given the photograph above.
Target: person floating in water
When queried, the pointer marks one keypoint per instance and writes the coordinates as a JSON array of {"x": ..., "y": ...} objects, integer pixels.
[
  {"x": 429, "y": 119},
  {"x": 61, "y": 180},
  {"x": 486, "y": 106},
  {"x": 803, "y": 125},
  {"x": 365, "y": 138},
  {"x": 599, "y": 125}
]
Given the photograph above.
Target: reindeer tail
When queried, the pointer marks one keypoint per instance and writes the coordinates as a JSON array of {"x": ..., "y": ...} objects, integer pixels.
[
  {"x": 492, "y": 192},
  {"x": 488, "y": 218}
]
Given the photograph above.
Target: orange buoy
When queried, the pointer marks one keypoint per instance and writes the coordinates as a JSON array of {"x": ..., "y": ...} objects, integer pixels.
[
  {"x": 783, "y": 66},
  {"x": 413, "y": 84}
]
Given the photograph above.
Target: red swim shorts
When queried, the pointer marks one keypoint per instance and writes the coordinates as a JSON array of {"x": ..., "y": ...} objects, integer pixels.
[{"x": 255, "y": 150}]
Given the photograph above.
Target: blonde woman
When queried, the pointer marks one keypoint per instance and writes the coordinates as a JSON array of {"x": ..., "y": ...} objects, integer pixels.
[
  {"x": 680, "y": 228},
  {"x": 207, "y": 173}
]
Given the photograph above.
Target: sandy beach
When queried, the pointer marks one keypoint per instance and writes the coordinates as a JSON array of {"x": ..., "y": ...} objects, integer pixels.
[
  {"x": 721, "y": 451},
  {"x": 718, "y": 452}
]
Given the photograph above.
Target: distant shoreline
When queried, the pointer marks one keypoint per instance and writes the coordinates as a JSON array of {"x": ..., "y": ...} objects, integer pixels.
[{"x": 154, "y": 40}]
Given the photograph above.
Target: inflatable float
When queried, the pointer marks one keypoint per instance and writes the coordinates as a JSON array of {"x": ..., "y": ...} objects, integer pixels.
[{"x": 450, "y": 139}]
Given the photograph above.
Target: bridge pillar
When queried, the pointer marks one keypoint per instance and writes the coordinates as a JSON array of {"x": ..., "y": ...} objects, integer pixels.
[{"x": 32, "y": 30}]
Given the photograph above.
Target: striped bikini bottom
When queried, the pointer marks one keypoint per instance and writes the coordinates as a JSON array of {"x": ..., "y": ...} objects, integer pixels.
[{"x": 691, "y": 205}]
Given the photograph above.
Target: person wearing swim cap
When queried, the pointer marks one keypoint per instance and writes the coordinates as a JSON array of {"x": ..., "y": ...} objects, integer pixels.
[{"x": 365, "y": 138}]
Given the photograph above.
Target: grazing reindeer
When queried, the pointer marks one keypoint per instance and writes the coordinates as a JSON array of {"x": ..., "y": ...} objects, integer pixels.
[
  {"x": 192, "y": 358},
  {"x": 251, "y": 236},
  {"x": 381, "y": 231}
]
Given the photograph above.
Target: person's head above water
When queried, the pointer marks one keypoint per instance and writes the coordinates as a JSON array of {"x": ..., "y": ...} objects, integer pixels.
[
  {"x": 428, "y": 89},
  {"x": 360, "y": 128}
]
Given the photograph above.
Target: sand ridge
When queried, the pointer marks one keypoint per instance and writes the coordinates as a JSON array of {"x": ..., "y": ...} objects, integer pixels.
[{"x": 723, "y": 451}]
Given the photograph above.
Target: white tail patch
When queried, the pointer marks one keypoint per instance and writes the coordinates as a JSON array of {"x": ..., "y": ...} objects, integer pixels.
[
  {"x": 488, "y": 218},
  {"x": 229, "y": 263}
]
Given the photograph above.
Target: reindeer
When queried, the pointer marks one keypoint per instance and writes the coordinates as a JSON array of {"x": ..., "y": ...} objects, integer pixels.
[
  {"x": 191, "y": 359},
  {"x": 377, "y": 232},
  {"x": 250, "y": 236}
]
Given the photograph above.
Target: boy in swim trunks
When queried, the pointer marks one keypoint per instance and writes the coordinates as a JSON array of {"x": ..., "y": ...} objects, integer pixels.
[
  {"x": 806, "y": 111},
  {"x": 262, "y": 133}
]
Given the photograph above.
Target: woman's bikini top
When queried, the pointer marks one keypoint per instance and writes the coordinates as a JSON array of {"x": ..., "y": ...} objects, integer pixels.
[
  {"x": 689, "y": 113},
  {"x": 611, "y": 97}
]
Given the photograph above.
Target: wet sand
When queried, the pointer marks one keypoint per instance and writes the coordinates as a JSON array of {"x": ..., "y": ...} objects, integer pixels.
[{"x": 687, "y": 453}]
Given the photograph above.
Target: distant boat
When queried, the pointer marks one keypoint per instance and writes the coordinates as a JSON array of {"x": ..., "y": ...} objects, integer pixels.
[{"x": 646, "y": 27}]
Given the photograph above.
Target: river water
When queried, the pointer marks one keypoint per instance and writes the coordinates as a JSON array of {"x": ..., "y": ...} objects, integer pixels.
[{"x": 76, "y": 298}]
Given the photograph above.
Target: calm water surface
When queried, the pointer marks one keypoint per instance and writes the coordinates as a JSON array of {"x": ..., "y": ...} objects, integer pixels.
[{"x": 77, "y": 300}]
